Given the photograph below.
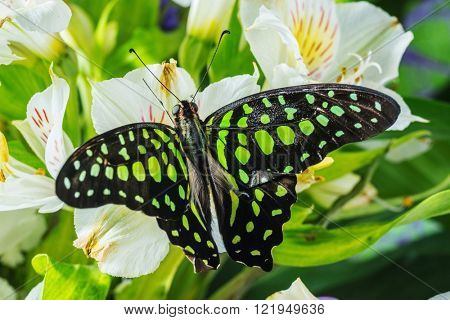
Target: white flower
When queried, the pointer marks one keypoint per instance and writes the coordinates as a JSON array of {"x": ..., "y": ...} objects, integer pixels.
[
  {"x": 441, "y": 296},
  {"x": 297, "y": 291},
  {"x": 6, "y": 291},
  {"x": 25, "y": 187},
  {"x": 32, "y": 25},
  {"x": 128, "y": 243},
  {"x": 207, "y": 19},
  {"x": 20, "y": 230},
  {"x": 306, "y": 41}
]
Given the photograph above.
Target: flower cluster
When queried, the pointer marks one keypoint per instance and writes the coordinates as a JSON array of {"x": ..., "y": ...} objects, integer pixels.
[{"x": 293, "y": 42}]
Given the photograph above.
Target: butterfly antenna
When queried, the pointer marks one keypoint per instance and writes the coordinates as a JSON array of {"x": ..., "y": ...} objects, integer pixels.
[
  {"x": 210, "y": 64},
  {"x": 159, "y": 100},
  {"x": 151, "y": 72}
]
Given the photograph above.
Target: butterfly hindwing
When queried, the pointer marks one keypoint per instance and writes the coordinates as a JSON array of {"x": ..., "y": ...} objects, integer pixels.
[
  {"x": 190, "y": 233},
  {"x": 138, "y": 165},
  {"x": 290, "y": 129},
  {"x": 257, "y": 214}
]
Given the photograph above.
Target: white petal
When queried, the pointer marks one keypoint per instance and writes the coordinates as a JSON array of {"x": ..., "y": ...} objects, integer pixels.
[
  {"x": 6, "y": 55},
  {"x": 366, "y": 28},
  {"x": 6, "y": 291},
  {"x": 36, "y": 292},
  {"x": 176, "y": 79},
  {"x": 29, "y": 191},
  {"x": 125, "y": 243},
  {"x": 127, "y": 100},
  {"x": 20, "y": 230},
  {"x": 272, "y": 43},
  {"x": 315, "y": 26},
  {"x": 45, "y": 45},
  {"x": 297, "y": 291},
  {"x": 207, "y": 19},
  {"x": 226, "y": 91},
  {"x": 41, "y": 15},
  {"x": 409, "y": 150},
  {"x": 183, "y": 3},
  {"x": 27, "y": 132},
  {"x": 285, "y": 76},
  {"x": 45, "y": 114}
]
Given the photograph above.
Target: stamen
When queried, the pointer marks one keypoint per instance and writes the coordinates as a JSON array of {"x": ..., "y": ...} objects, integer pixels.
[{"x": 357, "y": 74}]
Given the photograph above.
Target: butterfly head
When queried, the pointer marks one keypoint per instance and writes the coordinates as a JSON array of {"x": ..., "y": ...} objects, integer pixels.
[{"x": 185, "y": 109}]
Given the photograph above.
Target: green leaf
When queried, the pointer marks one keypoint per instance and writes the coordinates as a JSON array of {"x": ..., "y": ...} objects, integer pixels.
[
  {"x": 17, "y": 85},
  {"x": 21, "y": 153},
  {"x": 311, "y": 245},
  {"x": 64, "y": 281},
  {"x": 234, "y": 56},
  {"x": 154, "y": 286}
]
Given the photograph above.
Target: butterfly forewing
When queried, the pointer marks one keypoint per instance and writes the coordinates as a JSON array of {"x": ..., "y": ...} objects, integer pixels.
[
  {"x": 139, "y": 165},
  {"x": 288, "y": 130}
]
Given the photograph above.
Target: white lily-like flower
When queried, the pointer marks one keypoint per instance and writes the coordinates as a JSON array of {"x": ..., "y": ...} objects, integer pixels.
[
  {"x": 127, "y": 243},
  {"x": 207, "y": 19},
  {"x": 32, "y": 25},
  {"x": 297, "y": 291},
  {"x": 24, "y": 187},
  {"x": 306, "y": 41}
]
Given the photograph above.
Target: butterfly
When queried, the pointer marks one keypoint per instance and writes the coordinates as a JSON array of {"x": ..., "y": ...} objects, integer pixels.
[{"x": 225, "y": 184}]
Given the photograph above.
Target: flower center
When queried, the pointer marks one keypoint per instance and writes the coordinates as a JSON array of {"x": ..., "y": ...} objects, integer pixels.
[
  {"x": 168, "y": 75},
  {"x": 316, "y": 29}
]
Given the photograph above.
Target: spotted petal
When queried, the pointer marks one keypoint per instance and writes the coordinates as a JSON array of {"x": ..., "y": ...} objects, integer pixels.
[
  {"x": 268, "y": 28},
  {"x": 45, "y": 114},
  {"x": 125, "y": 243}
]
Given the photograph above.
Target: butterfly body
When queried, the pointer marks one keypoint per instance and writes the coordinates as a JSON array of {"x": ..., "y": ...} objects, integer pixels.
[{"x": 225, "y": 183}]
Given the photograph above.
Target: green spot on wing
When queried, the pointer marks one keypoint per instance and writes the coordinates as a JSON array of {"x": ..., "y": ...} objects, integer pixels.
[
  {"x": 122, "y": 173},
  {"x": 247, "y": 109},
  {"x": 286, "y": 135},
  {"x": 310, "y": 98},
  {"x": 244, "y": 176},
  {"x": 138, "y": 171},
  {"x": 225, "y": 123},
  {"x": 154, "y": 169},
  {"x": 95, "y": 170},
  {"x": 242, "y": 154},
  {"x": 266, "y": 102},
  {"x": 242, "y": 123},
  {"x": 265, "y": 119},
  {"x": 234, "y": 206},
  {"x": 306, "y": 127},
  {"x": 264, "y": 141},
  {"x": 172, "y": 172},
  {"x": 162, "y": 135},
  {"x": 290, "y": 113},
  {"x": 281, "y": 100},
  {"x": 250, "y": 226},
  {"x": 323, "y": 120},
  {"x": 337, "y": 110}
]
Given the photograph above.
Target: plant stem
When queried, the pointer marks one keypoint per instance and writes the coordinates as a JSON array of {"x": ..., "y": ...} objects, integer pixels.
[{"x": 238, "y": 286}]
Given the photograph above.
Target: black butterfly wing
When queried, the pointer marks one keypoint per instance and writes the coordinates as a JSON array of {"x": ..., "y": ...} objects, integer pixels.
[
  {"x": 256, "y": 216},
  {"x": 140, "y": 166},
  {"x": 287, "y": 130},
  {"x": 262, "y": 140}
]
